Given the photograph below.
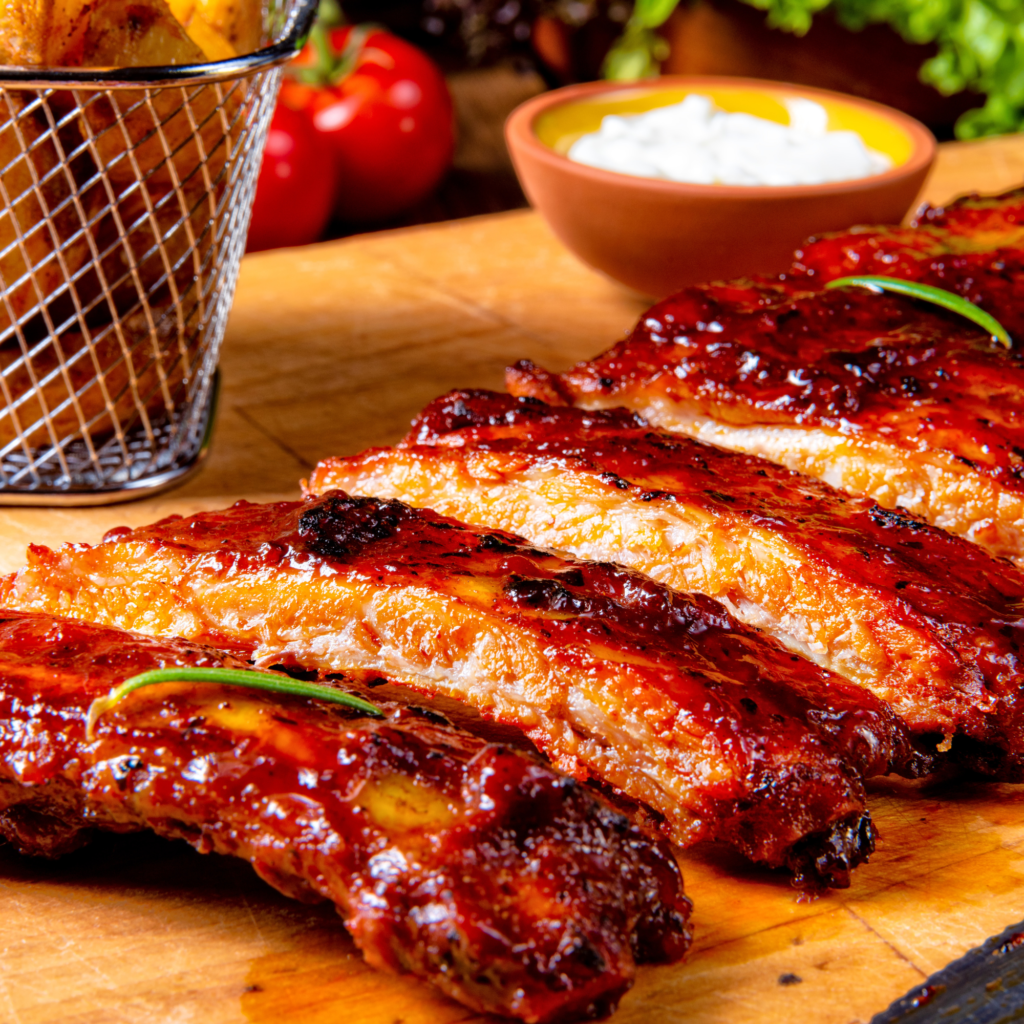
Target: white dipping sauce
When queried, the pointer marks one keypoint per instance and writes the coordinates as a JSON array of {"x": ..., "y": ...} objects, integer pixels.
[{"x": 694, "y": 141}]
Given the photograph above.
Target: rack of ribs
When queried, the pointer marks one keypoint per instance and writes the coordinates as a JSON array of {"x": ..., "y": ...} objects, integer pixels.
[
  {"x": 665, "y": 698},
  {"x": 481, "y": 869},
  {"x": 927, "y": 621},
  {"x": 877, "y": 395}
]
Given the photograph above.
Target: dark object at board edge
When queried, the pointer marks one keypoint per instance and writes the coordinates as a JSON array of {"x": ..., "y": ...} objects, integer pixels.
[{"x": 985, "y": 986}]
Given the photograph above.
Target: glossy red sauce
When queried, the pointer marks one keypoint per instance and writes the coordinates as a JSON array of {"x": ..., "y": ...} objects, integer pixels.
[
  {"x": 529, "y": 896},
  {"x": 697, "y": 646},
  {"x": 795, "y": 740},
  {"x": 967, "y": 603},
  {"x": 974, "y": 248},
  {"x": 925, "y": 572},
  {"x": 784, "y": 352}
]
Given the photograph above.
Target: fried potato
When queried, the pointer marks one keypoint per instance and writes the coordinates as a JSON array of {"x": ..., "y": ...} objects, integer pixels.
[
  {"x": 43, "y": 240},
  {"x": 163, "y": 137},
  {"x": 126, "y": 33},
  {"x": 155, "y": 263},
  {"x": 156, "y": 253},
  {"x": 130, "y": 34},
  {"x": 79, "y": 33},
  {"x": 59, "y": 380},
  {"x": 42, "y": 237},
  {"x": 128, "y": 221},
  {"x": 117, "y": 33},
  {"x": 221, "y": 28},
  {"x": 43, "y": 33}
]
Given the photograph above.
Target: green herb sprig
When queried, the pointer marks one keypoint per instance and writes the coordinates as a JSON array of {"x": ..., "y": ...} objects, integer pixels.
[
  {"x": 225, "y": 677},
  {"x": 929, "y": 293},
  {"x": 979, "y": 43},
  {"x": 639, "y": 51}
]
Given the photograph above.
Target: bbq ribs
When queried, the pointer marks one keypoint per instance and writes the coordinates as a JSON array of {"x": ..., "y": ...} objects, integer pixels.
[
  {"x": 479, "y": 868},
  {"x": 877, "y": 395},
  {"x": 927, "y": 621},
  {"x": 666, "y": 698}
]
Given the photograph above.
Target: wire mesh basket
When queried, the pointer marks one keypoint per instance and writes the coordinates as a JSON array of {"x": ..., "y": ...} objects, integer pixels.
[{"x": 124, "y": 205}]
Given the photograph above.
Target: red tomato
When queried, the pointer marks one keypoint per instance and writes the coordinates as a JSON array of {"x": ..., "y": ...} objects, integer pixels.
[
  {"x": 295, "y": 189},
  {"x": 387, "y": 120}
]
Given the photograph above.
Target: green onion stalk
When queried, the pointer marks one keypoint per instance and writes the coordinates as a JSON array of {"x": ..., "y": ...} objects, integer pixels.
[
  {"x": 249, "y": 679},
  {"x": 928, "y": 293}
]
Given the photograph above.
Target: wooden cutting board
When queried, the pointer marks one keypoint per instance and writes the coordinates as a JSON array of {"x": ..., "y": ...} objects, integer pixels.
[{"x": 333, "y": 348}]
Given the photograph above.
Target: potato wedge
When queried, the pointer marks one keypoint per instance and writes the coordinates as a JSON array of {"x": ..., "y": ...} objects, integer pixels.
[
  {"x": 155, "y": 266},
  {"x": 140, "y": 196},
  {"x": 58, "y": 380},
  {"x": 101, "y": 33},
  {"x": 130, "y": 34},
  {"x": 221, "y": 28},
  {"x": 43, "y": 240},
  {"x": 43, "y": 33},
  {"x": 116, "y": 33},
  {"x": 163, "y": 137}
]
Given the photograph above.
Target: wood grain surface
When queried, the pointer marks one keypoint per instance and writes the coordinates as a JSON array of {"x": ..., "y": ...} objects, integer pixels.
[{"x": 330, "y": 349}]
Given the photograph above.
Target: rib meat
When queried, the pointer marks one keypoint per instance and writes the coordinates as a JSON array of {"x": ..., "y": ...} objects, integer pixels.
[
  {"x": 478, "y": 868},
  {"x": 974, "y": 247},
  {"x": 661, "y": 696},
  {"x": 875, "y": 394},
  {"x": 926, "y": 621}
]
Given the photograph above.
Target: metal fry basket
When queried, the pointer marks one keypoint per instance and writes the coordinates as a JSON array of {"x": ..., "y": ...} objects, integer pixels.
[{"x": 124, "y": 205}]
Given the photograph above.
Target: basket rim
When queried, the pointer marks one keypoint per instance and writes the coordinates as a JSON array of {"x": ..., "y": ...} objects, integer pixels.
[{"x": 296, "y": 28}]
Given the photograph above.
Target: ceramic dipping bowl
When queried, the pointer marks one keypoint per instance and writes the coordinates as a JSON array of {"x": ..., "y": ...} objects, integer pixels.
[{"x": 656, "y": 236}]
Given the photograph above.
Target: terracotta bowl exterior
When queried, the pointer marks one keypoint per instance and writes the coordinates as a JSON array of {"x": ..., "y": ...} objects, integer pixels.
[{"x": 657, "y": 236}]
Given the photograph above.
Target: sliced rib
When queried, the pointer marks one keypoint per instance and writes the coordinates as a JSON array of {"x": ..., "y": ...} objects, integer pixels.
[
  {"x": 663, "y": 697},
  {"x": 869, "y": 393},
  {"x": 481, "y": 869},
  {"x": 876, "y": 395},
  {"x": 926, "y": 621}
]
